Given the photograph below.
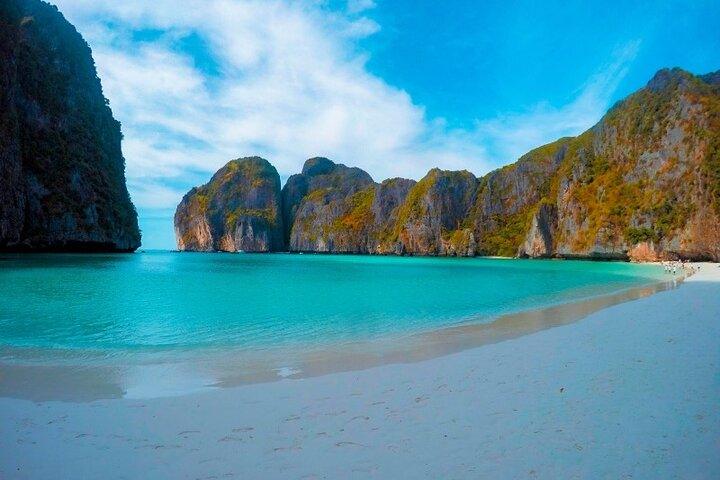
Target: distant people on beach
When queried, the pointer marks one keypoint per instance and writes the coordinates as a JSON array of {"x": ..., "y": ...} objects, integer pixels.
[{"x": 684, "y": 266}]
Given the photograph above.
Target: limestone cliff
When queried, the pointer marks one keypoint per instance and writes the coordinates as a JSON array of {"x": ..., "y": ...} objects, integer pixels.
[
  {"x": 539, "y": 241},
  {"x": 62, "y": 173},
  {"x": 318, "y": 204},
  {"x": 508, "y": 198},
  {"x": 360, "y": 222},
  {"x": 433, "y": 218},
  {"x": 238, "y": 210},
  {"x": 643, "y": 183},
  {"x": 648, "y": 174}
]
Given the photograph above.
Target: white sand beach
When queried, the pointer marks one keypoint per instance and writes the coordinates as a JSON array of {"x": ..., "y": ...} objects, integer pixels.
[{"x": 631, "y": 391}]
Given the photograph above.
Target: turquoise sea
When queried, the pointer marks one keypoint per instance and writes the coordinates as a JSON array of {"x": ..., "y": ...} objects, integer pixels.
[{"x": 162, "y": 301}]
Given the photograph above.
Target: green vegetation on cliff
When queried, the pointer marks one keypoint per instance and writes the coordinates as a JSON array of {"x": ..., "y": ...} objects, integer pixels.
[
  {"x": 508, "y": 233},
  {"x": 509, "y": 197},
  {"x": 358, "y": 212},
  {"x": 413, "y": 207}
]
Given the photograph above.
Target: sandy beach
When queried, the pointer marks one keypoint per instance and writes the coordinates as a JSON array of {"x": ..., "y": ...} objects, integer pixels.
[{"x": 630, "y": 391}]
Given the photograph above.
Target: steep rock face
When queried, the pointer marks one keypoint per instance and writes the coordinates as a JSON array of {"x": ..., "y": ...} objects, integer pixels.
[
  {"x": 644, "y": 183},
  {"x": 648, "y": 172},
  {"x": 332, "y": 208},
  {"x": 390, "y": 196},
  {"x": 238, "y": 210},
  {"x": 433, "y": 218},
  {"x": 292, "y": 194},
  {"x": 539, "y": 240},
  {"x": 508, "y": 199},
  {"x": 62, "y": 178},
  {"x": 328, "y": 208}
]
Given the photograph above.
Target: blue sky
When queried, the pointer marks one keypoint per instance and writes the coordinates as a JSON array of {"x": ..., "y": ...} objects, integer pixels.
[{"x": 395, "y": 87}]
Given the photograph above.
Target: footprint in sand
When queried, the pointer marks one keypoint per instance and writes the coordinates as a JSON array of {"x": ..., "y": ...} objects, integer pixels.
[
  {"x": 288, "y": 449},
  {"x": 243, "y": 429},
  {"x": 336, "y": 413},
  {"x": 359, "y": 417},
  {"x": 350, "y": 444}
]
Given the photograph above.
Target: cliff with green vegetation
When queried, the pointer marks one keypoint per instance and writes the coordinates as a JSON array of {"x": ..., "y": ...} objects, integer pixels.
[
  {"x": 644, "y": 183},
  {"x": 509, "y": 197},
  {"x": 238, "y": 210},
  {"x": 432, "y": 220},
  {"x": 328, "y": 208},
  {"x": 62, "y": 173}
]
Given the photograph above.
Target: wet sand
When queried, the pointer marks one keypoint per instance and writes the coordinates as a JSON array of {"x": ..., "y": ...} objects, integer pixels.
[{"x": 630, "y": 391}]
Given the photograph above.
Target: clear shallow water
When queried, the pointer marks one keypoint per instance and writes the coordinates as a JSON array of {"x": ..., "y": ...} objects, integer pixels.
[{"x": 159, "y": 301}]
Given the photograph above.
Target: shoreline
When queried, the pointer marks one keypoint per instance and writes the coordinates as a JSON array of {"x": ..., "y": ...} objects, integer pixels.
[
  {"x": 621, "y": 258},
  {"x": 630, "y": 391},
  {"x": 86, "y": 375}
]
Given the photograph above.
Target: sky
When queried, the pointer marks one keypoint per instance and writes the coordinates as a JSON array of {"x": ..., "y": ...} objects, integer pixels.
[{"x": 395, "y": 87}]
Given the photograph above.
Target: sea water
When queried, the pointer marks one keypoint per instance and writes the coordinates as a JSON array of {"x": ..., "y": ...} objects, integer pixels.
[{"x": 165, "y": 301}]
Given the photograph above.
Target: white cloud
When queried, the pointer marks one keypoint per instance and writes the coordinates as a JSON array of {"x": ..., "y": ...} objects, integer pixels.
[
  {"x": 357, "y": 6},
  {"x": 287, "y": 82}
]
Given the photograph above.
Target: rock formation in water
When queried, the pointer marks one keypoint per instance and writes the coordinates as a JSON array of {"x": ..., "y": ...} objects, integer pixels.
[
  {"x": 62, "y": 173},
  {"x": 238, "y": 210},
  {"x": 432, "y": 218},
  {"x": 318, "y": 203},
  {"x": 643, "y": 183}
]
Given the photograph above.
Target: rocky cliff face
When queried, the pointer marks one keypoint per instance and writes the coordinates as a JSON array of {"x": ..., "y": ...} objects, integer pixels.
[
  {"x": 646, "y": 177},
  {"x": 389, "y": 197},
  {"x": 238, "y": 210},
  {"x": 433, "y": 218},
  {"x": 321, "y": 204},
  {"x": 62, "y": 173},
  {"x": 539, "y": 241},
  {"x": 508, "y": 198},
  {"x": 643, "y": 183}
]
